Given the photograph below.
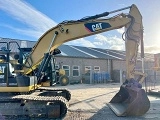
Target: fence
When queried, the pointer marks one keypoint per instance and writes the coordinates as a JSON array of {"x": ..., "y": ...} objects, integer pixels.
[
  {"x": 96, "y": 77},
  {"x": 100, "y": 77},
  {"x": 152, "y": 81}
]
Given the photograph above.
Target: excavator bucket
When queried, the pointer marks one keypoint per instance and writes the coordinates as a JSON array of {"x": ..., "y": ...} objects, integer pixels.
[{"x": 130, "y": 101}]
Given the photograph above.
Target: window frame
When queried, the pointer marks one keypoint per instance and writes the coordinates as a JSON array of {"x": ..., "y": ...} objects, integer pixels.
[
  {"x": 89, "y": 69},
  {"x": 97, "y": 70},
  {"x": 66, "y": 69},
  {"x": 76, "y": 69}
]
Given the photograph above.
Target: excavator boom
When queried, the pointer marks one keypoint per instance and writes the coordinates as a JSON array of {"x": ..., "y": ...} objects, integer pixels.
[
  {"x": 71, "y": 30},
  {"x": 131, "y": 94}
]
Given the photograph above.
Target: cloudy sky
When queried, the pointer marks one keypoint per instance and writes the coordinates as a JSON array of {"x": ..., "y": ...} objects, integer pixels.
[{"x": 29, "y": 19}]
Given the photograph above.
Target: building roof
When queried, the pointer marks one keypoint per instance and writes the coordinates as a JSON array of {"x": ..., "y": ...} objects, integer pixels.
[
  {"x": 75, "y": 51},
  {"x": 14, "y": 42},
  {"x": 88, "y": 52}
]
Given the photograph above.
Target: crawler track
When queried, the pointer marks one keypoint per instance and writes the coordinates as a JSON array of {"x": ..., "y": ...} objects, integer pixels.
[
  {"x": 60, "y": 92},
  {"x": 43, "y": 103}
]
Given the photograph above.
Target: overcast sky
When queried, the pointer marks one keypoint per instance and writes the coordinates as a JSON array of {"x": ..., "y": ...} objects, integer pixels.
[{"x": 29, "y": 19}]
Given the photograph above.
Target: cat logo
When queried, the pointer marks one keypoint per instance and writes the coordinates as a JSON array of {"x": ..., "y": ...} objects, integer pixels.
[
  {"x": 96, "y": 26},
  {"x": 2, "y": 69}
]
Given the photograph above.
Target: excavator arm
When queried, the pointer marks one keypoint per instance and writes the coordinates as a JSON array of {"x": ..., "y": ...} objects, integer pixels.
[
  {"x": 130, "y": 95},
  {"x": 71, "y": 30}
]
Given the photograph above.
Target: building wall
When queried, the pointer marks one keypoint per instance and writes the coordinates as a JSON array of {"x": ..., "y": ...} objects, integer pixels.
[
  {"x": 114, "y": 67},
  {"x": 105, "y": 65},
  {"x": 81, "y": 62},
  {"x": 119, "y": 64}
]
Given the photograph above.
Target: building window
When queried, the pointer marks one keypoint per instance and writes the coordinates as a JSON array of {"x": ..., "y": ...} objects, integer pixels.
[
  {"x": 76, "y": 71},
  {"x": 96, "y": 69},
  {"x": 67, "y": 69},
  {"x": 87, "y": 70}
]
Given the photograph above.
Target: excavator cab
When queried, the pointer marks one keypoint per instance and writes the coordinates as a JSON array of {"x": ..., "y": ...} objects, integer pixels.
[{"x": 131, "y": 100}]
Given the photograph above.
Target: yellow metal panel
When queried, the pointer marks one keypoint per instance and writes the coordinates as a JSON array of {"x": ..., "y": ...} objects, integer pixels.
[
  {"x": 72, "y": 31},
  {"x": 61, "y": 72},
  {"x": 45, "y": 84},
  {"x": 18, "y": 89}
]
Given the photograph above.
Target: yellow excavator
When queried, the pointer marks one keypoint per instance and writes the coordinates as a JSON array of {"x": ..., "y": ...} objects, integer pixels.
[{"x": 24, "y": 91}]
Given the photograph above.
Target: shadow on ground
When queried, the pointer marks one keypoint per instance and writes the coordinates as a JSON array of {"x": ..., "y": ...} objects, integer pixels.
[
  {"x": 107, "y": 114},
  {"x": 91, "y": 98}
]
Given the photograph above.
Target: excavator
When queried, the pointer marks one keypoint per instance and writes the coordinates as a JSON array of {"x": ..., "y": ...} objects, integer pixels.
[{"x": 25, "y": 93}]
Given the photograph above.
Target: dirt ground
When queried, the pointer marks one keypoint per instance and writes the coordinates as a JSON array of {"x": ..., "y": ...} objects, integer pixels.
[{"x": 89, "y": 102}]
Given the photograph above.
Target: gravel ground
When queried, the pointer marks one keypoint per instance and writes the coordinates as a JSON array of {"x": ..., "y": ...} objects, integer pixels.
[{"x": 89, "y": 102}]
